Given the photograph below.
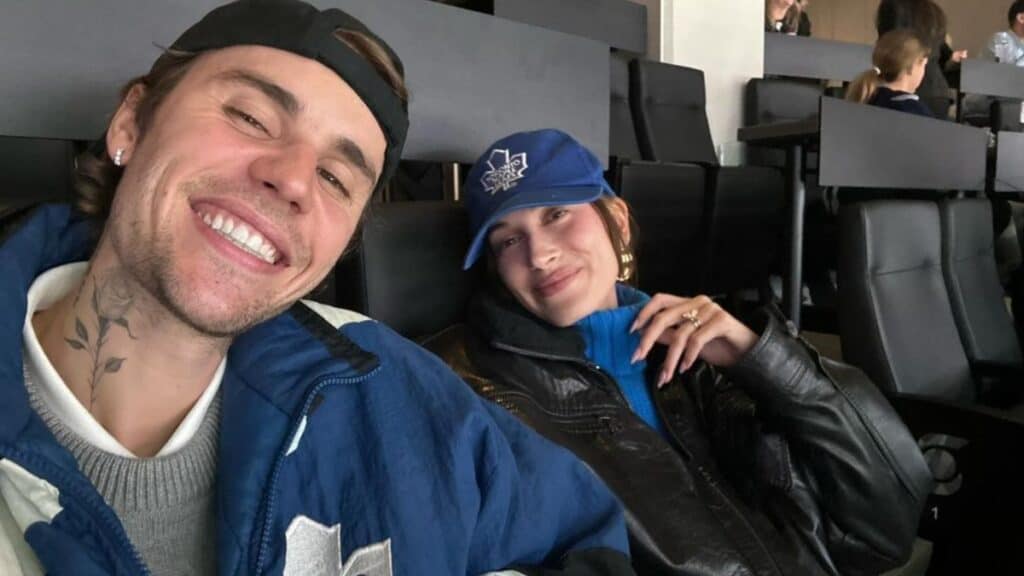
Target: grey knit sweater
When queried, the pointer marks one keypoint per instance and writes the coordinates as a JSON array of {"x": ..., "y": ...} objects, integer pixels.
[{"x": 165, "y": 503}]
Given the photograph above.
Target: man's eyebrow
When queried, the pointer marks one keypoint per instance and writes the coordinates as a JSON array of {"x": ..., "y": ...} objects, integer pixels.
[
  {"x": 290, "y": 104},
  {"x": 354, "y": 154},
  {"x": 283, "y": 98}
]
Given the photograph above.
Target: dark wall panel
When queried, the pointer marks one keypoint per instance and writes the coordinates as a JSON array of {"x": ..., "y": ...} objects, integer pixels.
[
  {"x": 618, "y": 23},
  {"x": 474, "y": 77}
]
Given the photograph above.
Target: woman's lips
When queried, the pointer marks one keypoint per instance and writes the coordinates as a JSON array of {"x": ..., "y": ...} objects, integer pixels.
[{"x": 556, "y": 283}]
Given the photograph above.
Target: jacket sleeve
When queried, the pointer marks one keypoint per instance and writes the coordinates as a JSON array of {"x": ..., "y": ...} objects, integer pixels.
[
  {"x": 854, "y": 480},
  {"x": 542, "y": 511}
]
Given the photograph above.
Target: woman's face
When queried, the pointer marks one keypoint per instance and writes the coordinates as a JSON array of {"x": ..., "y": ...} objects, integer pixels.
[
  {"x": 917, "y": 72},
  {"x": 780, "y": 5},
  {"x": 558, "y": 261}
]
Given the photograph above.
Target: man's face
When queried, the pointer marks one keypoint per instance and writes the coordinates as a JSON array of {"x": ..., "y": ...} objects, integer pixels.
[{"x": 245, "y": 188}]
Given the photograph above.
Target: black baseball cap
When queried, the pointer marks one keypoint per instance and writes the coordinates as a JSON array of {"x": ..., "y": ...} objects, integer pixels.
[{"x": 302, "y": 29}]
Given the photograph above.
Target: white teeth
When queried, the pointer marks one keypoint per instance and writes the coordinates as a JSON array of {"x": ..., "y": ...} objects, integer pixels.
[
  {"x": 250, "y": 241},
  {"x": 255, "y": 242},
  {"x": 240, "y": 233}
]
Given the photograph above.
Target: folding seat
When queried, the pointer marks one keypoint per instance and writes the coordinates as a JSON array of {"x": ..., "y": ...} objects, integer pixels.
[
  {"x": 972, "y": 280},
  {"x": 406, "y": 268},
  {"x": 743, "y": 205},
  {"x": 897, "y": 324},
  {"x": 770, "y": 100},
  {"x": 667, "y": 201},
  {"x": 896, "y": 316}
]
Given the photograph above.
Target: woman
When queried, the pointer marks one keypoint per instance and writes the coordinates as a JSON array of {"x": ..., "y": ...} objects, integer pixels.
[
  {"x": 928, "y": 21},
  {"x": 899, "y": 61},
  {"x": 786, "y": 17},
  {"x": 735, "y": 449}
]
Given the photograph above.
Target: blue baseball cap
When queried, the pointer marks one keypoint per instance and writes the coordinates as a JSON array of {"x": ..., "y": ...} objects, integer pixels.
[{"x": 527, "y": 170}]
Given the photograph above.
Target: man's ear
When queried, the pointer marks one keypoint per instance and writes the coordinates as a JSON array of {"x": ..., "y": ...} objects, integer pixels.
[
  {"x": 620, "y": 214},
  {"x": 123, "y": 132}
]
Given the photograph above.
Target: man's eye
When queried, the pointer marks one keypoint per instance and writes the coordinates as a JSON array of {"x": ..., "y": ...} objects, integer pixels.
[
  {"x": 333, "y": 181},
  {"x": 248, "y": 119}
]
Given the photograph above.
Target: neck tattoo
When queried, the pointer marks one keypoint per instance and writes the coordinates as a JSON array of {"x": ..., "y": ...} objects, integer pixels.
[{"x": 112, "y": 299}]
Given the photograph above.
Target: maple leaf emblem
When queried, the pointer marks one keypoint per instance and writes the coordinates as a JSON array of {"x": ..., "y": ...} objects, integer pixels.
[{"x": 504, "y": 171}]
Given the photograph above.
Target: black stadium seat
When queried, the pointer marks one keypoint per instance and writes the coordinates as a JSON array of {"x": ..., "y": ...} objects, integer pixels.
[
  {"x": 976, "y": 296},
  {"x": 743, "y": 205},
  {"x": 667, "y": 201},
  {"x": 770, "y": 100},
  {"x": 895, "y": 314},
  {"x": 895, "y": 319},
  {"x": 35, "y": 169},
  {"x": 406, "y": 270}
]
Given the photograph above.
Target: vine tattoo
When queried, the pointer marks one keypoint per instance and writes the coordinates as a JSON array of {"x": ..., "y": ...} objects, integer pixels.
[{"x": 110, "y": 303}]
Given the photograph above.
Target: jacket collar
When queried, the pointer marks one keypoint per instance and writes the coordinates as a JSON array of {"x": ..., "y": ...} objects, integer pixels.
[{"x": 502, "y": 321}]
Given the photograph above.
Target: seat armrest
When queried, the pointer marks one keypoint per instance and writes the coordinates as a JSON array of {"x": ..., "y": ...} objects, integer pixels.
[{"x": 1000, "y": 384}]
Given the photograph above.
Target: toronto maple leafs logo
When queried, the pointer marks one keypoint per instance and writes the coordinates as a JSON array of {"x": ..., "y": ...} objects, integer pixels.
[
  {"x": 504, "y": 171},
  {"x": 312, "y": 549}
]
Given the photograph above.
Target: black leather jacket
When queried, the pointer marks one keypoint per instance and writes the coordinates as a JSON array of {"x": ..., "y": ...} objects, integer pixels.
[{"x": 787, "y": 463}]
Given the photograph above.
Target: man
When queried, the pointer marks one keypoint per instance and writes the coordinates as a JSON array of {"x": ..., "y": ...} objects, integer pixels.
[
  {"x": 1008, "y": 46},
  {"x": 170, "y": 405}
]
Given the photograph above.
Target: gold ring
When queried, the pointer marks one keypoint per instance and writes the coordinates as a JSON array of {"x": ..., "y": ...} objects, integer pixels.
[{"x": 692, "y": 317}]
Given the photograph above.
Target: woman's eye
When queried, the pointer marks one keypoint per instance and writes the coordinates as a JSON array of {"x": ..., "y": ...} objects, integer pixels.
[
  {"x": 557, "y": 214},
  {"x": 333, "y": 181},
  {"x": 506, "y": 243},
  {"x": 248, "y": 119}
]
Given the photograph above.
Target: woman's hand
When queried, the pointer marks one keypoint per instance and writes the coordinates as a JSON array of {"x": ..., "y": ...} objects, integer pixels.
[
  {"x": 959, "y": 56},
  {"x": 691, "y": 328}
]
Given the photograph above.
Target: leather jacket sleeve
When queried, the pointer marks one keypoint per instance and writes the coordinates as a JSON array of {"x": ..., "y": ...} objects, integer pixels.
[{"x": 851, "y": 478}]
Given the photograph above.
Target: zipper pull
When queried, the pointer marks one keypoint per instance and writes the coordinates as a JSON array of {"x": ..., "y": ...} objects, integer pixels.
[{"x": 610, "y": 424}]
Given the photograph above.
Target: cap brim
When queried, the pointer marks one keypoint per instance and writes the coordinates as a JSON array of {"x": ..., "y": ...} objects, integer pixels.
[{"x": 532, "y": 199}]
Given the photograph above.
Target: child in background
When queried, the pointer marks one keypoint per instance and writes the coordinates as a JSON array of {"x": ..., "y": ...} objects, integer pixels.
[{"x": 899, "y": 60}]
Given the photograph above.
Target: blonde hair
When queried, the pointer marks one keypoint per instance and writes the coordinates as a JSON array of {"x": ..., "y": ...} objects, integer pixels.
[{"x": 895, "y": 53}]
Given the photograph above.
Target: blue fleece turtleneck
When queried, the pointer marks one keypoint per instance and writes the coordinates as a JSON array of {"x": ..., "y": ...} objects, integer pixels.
[{"x": 610, "y": 345}]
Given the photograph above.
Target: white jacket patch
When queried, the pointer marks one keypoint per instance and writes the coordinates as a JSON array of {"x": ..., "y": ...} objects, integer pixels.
[{"x": 312, "y": 549}]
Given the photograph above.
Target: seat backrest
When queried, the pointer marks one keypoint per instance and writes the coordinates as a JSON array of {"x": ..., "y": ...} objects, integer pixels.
[
  {"x": 969, "y": 268},
  {"x": 622, "y": 143},
  {"x": 35, "y": 169},
  {"x": 667, "y": 202},
  {"x": 668, "y": 110},
  {"x": 407, "y": 269},
  {"x": 770, "y": 100},
  {"x": 895, "y": 319},
  {"x": 745, "y": 227},
  {"x": 1005, "y": 115}
]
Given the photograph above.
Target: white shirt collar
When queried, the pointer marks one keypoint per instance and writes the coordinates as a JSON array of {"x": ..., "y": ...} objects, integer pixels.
[{"x": 49, "y": 288}]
